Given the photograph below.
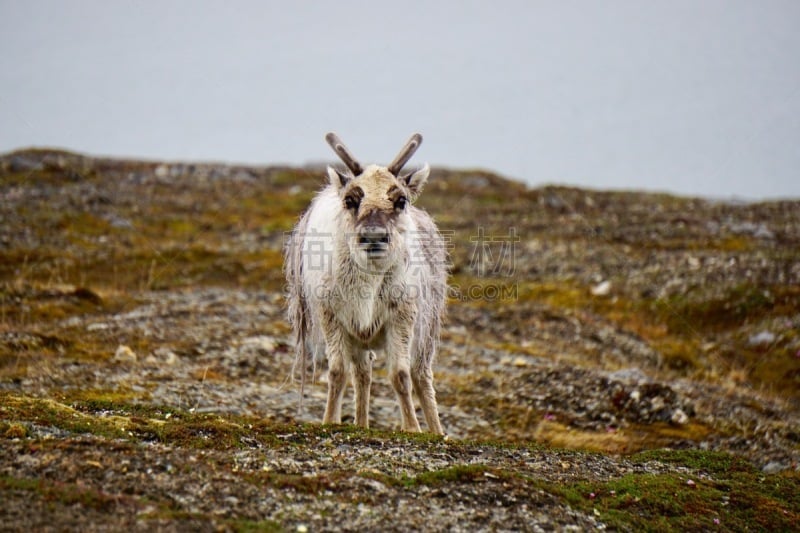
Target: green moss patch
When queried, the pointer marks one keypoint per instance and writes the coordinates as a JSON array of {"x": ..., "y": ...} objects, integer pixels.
[
  {"x": 719, "y": 491},
  {"x": 63, "y": 493}
]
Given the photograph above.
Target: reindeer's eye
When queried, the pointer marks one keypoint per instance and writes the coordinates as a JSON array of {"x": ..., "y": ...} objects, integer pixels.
[
  {"x": 400, "y": 203},
  {"x": 352, "y": 202}
]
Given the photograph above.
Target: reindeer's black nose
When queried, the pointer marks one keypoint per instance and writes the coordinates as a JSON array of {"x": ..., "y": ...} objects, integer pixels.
[{"x": 373, "y": 239}]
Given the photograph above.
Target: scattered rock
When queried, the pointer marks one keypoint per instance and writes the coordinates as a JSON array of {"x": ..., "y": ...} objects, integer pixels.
[
  {"x": 21, "y": 163},
  {"x": 679, "y": 418},
  {"x": 262, "y": 344},
  {"x": 162, "y": 356},
  {"x": 592, "y": 401},
  {"x": 761, "y": 338},
  {"x": 118, "y": 221},
  {"x": 601, "y": 289},
  {"x": 161, "y": 171},
  {"x": 632, "y": 376},
  {"x": 124, "y": 354},
  {"x": 519, "y": 362},
  {"x": 760, "y": 231},
  {"x": 773, "y": 467}
]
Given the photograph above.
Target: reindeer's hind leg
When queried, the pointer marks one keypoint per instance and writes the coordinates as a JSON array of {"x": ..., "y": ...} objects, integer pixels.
[{"x": 423, "y": 385}]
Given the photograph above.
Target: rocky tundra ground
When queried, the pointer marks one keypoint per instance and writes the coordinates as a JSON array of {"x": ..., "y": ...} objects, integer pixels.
[{"x": 613, "y": 360}]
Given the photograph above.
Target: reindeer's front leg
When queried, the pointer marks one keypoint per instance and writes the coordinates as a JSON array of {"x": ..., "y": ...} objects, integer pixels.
[
  {"x": 337, "y": 349},
  {"x": 362, "y": 380},
  {"x": 398, "y": 350}
]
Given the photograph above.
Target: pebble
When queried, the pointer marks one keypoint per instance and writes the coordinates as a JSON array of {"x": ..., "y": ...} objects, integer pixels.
[
  {"x": 761, "y": 338},
  {"x": 124, "y": 354},
  {"x": 773, "y": 467},
  {"x": 261, "y": 343},
  {"x": 601, "y": 289},
  {"x": 166, "y": 356},
  {"x": 161, "y": 171},
  {"x": 679, "y": 418}
]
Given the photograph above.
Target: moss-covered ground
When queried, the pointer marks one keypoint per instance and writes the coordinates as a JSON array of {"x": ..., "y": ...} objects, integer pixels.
[{"x": 684, "y": 290}]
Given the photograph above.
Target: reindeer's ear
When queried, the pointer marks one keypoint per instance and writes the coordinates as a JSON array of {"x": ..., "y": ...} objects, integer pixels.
[
  {"x": 415, "y": 181},
  {"x": 337, "y": 178}
]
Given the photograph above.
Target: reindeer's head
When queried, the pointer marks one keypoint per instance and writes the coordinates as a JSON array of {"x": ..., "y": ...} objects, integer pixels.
[{"x": 375, "y": 202}]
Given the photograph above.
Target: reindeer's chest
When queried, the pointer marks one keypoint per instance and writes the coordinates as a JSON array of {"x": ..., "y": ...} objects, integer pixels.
[
  {"x": 366, "y": 316},
  {"x": 363, "y": 308}
]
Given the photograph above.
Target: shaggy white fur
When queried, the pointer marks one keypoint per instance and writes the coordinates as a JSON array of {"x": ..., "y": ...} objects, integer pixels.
[{"x": 367, "y": 275}]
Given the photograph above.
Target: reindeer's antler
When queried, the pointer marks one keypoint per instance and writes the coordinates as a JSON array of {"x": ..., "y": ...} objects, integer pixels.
[
  {"x": 405, "y": 154},
  {"x": 344, "y": 154}
]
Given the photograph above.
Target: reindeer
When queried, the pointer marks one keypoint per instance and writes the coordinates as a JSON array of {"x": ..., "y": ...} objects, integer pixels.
[{"x": 366, "y": 273}]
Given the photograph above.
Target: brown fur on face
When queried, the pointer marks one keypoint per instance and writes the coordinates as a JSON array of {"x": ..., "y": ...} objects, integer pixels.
[
  {"x": 375, "y": 205},
  {"x": 375, "y": 190}
]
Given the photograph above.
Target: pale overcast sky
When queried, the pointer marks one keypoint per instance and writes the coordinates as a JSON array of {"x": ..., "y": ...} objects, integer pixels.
[{"x": 692, "y": 97}]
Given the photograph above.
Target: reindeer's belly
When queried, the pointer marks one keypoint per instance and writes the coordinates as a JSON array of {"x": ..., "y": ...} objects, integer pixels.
[{"x": 371, "y": 337}]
